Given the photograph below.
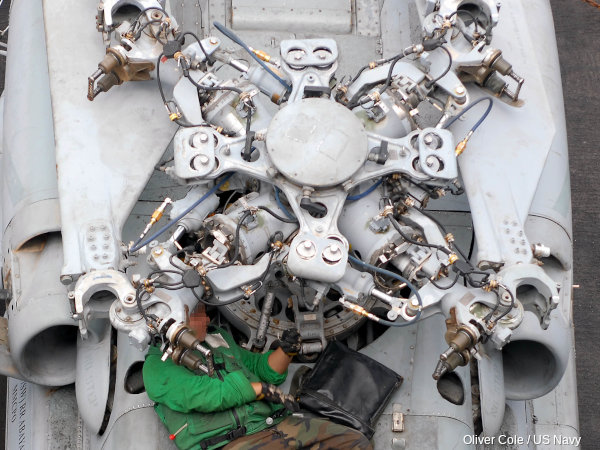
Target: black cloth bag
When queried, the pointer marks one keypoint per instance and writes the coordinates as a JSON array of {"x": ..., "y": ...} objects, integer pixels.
[{"x": 348, "y": 388}]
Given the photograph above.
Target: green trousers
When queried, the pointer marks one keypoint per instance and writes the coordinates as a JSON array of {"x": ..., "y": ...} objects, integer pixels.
[{"x": 303, "y": 433}]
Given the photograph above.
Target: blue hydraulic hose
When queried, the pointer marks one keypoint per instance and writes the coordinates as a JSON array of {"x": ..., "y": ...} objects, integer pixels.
[
  {"x": 212, "y": 190},
  {"x": 283, "y": 208},
  {"x": 235, "y": 38},
  {"x": 367, "y": 192},
  {"x": 481, "y": 119},
  {"x": 399, "y": 278}
]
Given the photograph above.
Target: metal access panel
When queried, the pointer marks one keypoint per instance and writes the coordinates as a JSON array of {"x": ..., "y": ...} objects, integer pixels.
[{"x": 334, "y": 16}]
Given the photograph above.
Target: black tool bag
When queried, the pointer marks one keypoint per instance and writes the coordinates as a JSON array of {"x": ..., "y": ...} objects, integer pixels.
[{"x": 348, "y": 388}]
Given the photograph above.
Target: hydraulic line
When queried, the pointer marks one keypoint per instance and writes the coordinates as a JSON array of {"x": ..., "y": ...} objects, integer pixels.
[
  {"x": 172, "y": 222},
  {"x": 414, "y": 290},
  {"x": 235, "y": 38}
]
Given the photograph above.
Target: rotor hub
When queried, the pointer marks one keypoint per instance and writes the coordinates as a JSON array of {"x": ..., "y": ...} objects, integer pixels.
[{"x": 317, "y": 142}]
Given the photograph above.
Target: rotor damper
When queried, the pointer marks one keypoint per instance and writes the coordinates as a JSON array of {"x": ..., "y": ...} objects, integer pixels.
[{"x": 316, "y": 142}]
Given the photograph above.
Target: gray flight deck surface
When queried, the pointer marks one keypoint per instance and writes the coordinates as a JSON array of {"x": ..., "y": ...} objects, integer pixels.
[{"x": 577, "y": 31}]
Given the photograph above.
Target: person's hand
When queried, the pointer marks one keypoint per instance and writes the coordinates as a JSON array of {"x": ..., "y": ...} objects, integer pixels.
[
  {"x": 291, "y": 342},
  {"x": 273, "y": 394}
]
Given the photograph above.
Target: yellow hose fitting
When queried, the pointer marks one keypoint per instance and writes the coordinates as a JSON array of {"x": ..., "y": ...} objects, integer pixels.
[
  {"x": 372, "y": 65},
  {"x": 449, "y": 238},
  {"x": 375, "y": 96},
  {"x": 177, "y": 55},
  {"x": 452, "y": 258},
  {"x": 262, "y": 55},
  {"x": 174, "y": 116},
  {"x": 387, "y": 211},
  {"x": 462, "y": 145},
  {"x": 492, "y": 284},
  {"x": 156, "y": 216}
]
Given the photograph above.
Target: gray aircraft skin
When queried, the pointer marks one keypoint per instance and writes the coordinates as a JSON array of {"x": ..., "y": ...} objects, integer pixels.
[{"x": 346, "y": 168}]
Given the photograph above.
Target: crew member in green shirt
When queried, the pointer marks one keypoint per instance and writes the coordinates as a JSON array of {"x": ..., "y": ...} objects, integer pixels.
[{"x": 240, "y": 407}]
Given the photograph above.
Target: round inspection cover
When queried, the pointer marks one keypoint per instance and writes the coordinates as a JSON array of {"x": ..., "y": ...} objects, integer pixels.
[{"x": 317, "y": 142}]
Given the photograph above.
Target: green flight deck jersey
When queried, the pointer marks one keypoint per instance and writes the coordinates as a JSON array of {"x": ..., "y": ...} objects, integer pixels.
[{"x": 208, "y": 412}]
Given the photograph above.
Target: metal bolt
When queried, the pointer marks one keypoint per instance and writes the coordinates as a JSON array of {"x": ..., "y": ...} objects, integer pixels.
[
  {"x": 157, "y": 251},
  {"x": 226, "y": 150},
  {"x": 306, "y": 249},
  {"x": 333, "y": 253},
  {"x": 213, "y": 41},
  {"x": 202, "y": 159},
  {"x": 66, "y": 279},
  {"x": 298, "y": 55},
  {"x": 203, "y": 138},
  {"x": 459, "y": 90},
  {"x": 428, "y": 139},
  {"x": 430, "y": 161}
]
